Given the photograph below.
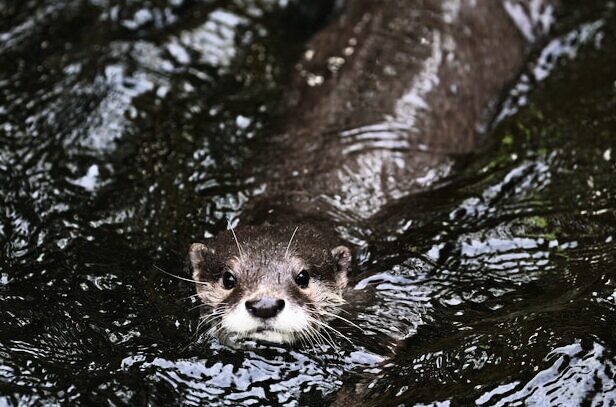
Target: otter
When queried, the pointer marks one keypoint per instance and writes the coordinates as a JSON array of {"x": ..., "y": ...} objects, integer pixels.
[
  {"x": 270, "y": 289},
  {"x": 383, "y": 102}
]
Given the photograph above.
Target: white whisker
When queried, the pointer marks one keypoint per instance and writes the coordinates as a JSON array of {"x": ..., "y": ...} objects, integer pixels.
[
  {"x": 237, "y": 243},
  {"x": 178, "y": 277},
  {"x": 329, "y": 340},
  {"x": 331, "y": 314},
  {"x": 286, "y": 253},
  {"x": 334, "y": 330}
]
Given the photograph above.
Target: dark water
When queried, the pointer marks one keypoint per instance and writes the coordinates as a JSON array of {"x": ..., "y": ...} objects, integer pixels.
[{"x": 127, "y": 131}]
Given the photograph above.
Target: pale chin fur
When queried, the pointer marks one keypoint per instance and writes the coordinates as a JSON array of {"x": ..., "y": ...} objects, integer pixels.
[{"x": 284, "y": 328}]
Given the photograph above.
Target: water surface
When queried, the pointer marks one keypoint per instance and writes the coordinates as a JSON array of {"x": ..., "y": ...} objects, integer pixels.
[{"x": 127, "y": 131}]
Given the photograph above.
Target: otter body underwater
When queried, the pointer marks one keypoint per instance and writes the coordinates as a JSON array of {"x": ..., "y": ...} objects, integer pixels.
[{"x": 384, "y": 100}]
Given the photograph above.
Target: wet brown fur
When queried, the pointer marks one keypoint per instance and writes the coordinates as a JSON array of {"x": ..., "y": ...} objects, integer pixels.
[
  {"x": 309, "y": 156},
  {"x": 265, "y": 261}
]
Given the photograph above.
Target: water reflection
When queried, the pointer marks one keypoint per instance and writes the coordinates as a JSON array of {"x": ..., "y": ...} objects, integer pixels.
[
  {"x": 519, "y": 260},
  {"x": 121, "y": 144},
  {"x": 277, "y": 374},
  {"x": 575, "y": 376}
]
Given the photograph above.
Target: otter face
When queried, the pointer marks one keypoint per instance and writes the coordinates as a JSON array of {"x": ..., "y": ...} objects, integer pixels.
[{"x": 265, "y": 287}]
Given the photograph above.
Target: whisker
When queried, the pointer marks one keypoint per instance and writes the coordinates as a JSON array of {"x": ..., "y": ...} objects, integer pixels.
[
  {"x": 215, "y": 304},
  {"x": 237, "y": 243},
  {"x": 304, "y": 337},
  {"x": 309, "y": 338},
  {"x": 210, "y": 318},
  {"x": 178, "y": 277},
  {"x": 298, "y": 336},
  {"x": 205, "y": 304},
  {"x": 337, "y": 305},
  {"x": 331, "y": 314},
  {"x": 213, "y": 323},
  {"x": 315, "y": 337},
  {"x": 213, "y": 331},
  {"x": 329, "y": 340},
  {"x": 345, "y": 311},
  {"x": 213, "y": 314},
  {"x": 210, "y": 321},
  {"x": 334, "y": 330},
  {"x": 286, "y": 253},
  {"x": 202, "y": 324},
  {"x": 198, "y": 306},
  {"x": 321, "y": 339}
]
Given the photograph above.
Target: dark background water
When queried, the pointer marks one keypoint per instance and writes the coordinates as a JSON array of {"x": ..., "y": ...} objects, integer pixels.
[{"x": 127, "y": 131}]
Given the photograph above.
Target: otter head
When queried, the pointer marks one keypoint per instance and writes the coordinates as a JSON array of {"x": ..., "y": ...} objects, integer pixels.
[{"x": 273, "y": 284}]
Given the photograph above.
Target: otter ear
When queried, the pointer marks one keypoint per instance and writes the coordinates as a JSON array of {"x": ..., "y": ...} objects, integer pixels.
[
  {"x": 197, "y": 255},
  {"x": 342, "y": 256}
]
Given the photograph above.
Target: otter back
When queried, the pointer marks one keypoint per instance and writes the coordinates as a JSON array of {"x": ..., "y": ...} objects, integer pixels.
[{"x": 382, "y": 102}]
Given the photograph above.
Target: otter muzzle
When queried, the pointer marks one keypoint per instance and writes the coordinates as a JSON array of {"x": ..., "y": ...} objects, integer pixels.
[{"x": 265, "y": 307}]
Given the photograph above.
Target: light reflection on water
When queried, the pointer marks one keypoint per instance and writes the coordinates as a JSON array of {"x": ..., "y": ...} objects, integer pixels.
[{"x": 124, "y": 140}]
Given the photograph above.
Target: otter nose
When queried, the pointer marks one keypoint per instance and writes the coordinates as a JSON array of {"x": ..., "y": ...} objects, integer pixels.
[{"x": 265, "y": 307}]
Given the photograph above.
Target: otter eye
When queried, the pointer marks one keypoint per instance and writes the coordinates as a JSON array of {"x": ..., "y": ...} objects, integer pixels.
[
  {"x": 302, "y": 279},
  {"x": 228, "y": 280}
]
